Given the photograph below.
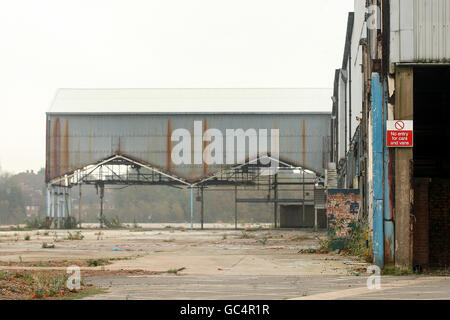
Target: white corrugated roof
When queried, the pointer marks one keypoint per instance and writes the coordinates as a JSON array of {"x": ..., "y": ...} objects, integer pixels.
[{"x": 191, "y": 100}]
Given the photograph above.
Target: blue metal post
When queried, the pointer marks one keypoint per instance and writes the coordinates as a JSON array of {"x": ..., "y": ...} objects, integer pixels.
[
  {"x": 192, "y": 208},
  {"x": 377, "y": 130}
]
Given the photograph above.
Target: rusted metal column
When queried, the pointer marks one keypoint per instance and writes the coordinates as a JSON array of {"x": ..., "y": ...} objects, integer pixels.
[
  {"x": 315, "y": 219},
  {"x": 49, "y": 206},
  {"x": 58, "y": 200},
  {"x": 235, "y": 206},
  {"x": 192, "y": 208},
  {"x": 69, "y": 202},
  {"x": 202, "y": 207},
  {"x": 102, "y": 196},
  {"x": 64, "y": 207},
  {"x": 275, "y": 204},
  {"x": 53, "y": 209},
  {"x": 79, "y": 207},
  {"x": 304, "y": 197}
]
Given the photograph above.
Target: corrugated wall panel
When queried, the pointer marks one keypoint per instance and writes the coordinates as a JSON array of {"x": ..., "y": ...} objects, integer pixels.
[
  {"x": 78, "y": 140},
  {"x": 420, "y": 31},
  {"x": 431, "y": 30}
]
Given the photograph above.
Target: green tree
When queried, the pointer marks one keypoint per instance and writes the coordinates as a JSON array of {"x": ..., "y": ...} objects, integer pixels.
[{"x": 12, "y": 208}]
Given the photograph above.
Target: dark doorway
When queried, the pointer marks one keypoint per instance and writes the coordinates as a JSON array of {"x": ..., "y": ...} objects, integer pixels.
[{"x": 431, "y": 237}]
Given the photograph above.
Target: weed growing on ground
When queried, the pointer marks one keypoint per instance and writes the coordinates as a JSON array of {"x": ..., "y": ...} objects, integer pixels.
[
  {"x": 46, "y": 245},
  {"x": 76, "y": 236},
  {"x": 35, "y": 223},
  {"x": 355, "y": 244},
  {"x": 392, "y": 270},
  {"x": 99, "y": 235},
  {"x": 97, "y": 262},
  {"x": 252, "y": 229},
  {"x": 245, "y": 235},
  {"x": 175, "y": 271},
  {"x": 113, "y": 224},
  {"x": 70, "y": 223},
  {"x": 38, "y": 285},
  {"x": 263, "y": 241},
  {"x": 135, "y": 225}
]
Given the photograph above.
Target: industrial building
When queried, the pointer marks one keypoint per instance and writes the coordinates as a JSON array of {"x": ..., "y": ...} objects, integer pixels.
[
  {"x": 380, "y": 152},
  {"x": 135, "y": 137},
  {"x": 396, "y": 70}
]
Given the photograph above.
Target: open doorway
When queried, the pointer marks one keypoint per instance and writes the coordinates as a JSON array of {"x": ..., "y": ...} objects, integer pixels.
[{"x": 431, "y": 237}]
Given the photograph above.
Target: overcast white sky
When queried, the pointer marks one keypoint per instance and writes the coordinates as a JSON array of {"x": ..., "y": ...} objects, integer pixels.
[{"x": 50, "y": 44}]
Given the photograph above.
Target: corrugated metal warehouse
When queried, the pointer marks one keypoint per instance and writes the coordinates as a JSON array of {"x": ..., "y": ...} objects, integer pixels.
[{"x": 85, "y": 127}]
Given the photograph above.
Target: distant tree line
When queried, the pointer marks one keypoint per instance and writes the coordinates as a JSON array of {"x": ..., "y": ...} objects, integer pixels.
[
  {"x": 139, "y": 204},
  {"x": 12, "y": 207}
]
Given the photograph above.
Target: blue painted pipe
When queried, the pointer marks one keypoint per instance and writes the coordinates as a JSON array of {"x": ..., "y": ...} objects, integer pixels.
[{"x": 378, "y": 164}]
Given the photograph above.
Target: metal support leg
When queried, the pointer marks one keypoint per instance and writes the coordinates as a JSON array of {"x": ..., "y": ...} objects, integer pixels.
[
  {"x": 79, "y": 208},
  {"x": 192, "y": 208},
  {"x": 275, "y": 204},
  {"x": 202, "y": 207},
  {"x": 58, "y": 201},
  {"x": 304, "y": 199},
  {"x": 235, "y": 207},
  {"x": 49, "y": 206},
  {"x": 63, "y": 207},
  {"x": 69, "y": 205},
  {"x": 53, "y": 209},
  {"x": 102, "y": 196},
  {"x": 315, "y": 218}
]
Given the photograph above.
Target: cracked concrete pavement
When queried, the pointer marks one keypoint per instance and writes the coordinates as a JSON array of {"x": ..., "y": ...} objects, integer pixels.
[{"x": 219, "y": 263}]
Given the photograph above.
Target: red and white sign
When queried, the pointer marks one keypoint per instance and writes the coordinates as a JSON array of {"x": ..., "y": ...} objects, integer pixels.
[{"x": 399, "y": 133}]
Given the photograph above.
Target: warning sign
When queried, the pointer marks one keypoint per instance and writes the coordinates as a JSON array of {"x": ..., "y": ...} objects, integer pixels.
[{"x": 399, "y": 133}]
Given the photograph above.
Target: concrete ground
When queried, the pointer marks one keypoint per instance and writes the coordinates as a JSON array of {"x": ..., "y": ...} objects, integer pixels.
[{"x": 216, "y": 263}]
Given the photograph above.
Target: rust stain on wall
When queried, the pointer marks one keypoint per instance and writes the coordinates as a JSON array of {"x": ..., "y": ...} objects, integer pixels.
[
  {"x": 388, "y": 258},
  {"x": 90, "y": 144},
  {"x": 56, "y": 147},
  {"x": 303, "y": 142},
  {"x": 66, "y": 155},
  {"x": 205, "y": 144},
  {"x": 119, "y": 147}
]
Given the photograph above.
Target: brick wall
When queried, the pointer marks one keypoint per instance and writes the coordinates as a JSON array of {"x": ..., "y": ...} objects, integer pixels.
[
  {"x": 439, "y": 220},
  {"x": 421, "y": 225}
]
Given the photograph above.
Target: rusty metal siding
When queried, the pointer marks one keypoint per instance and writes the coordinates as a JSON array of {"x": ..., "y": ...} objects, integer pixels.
[{"x": 77, "y": 140}]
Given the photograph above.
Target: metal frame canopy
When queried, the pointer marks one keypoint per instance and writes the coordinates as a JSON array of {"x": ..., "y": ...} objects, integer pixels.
[{"x": 125, "y": 136}]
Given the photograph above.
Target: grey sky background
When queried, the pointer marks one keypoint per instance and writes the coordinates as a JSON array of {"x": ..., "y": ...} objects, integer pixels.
[{"x": 51, "y": 44}]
